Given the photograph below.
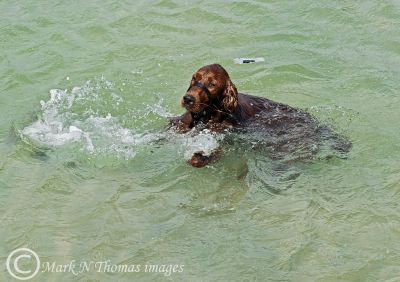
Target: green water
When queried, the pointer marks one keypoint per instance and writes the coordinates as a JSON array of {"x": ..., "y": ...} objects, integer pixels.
[{"x": 93, "y": 175}]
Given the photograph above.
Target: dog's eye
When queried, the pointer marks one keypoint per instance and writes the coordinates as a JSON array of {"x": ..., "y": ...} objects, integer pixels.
[{"x": 211, "y": 85}]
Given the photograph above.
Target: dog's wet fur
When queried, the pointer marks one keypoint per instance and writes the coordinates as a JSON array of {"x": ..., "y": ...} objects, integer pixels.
[{"x": 212, "y": 102}]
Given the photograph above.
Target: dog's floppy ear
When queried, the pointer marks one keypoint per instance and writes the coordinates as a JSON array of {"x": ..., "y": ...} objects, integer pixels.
[{"x": 230, "y": 96}]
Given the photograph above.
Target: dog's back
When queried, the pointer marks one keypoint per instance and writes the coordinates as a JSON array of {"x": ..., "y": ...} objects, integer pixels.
[{"x": 284, "y": 129}]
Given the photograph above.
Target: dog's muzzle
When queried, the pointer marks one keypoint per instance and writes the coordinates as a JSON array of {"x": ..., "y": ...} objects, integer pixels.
[{"x": 189, "y": 100}]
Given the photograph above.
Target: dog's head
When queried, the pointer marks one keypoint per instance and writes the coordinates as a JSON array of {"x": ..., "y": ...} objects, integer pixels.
[{"x": 210, "y": 87}]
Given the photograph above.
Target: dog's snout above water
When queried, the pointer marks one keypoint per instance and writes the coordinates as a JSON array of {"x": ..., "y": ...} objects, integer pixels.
[{"x": 188, "y": 100}]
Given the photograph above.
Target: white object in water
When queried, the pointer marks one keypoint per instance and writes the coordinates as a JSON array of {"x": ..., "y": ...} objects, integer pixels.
[
  {"x": 248, "y": 60},
  {"x": 205, "y": 141}
]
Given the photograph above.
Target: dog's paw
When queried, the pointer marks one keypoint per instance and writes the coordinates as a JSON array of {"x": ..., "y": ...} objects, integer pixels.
[{"x": 199, "y": 159}]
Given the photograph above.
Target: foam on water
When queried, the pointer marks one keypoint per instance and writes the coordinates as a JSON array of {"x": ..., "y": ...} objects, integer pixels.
[
  {"x": 84, "y": 116},
  {"x": 205, "y": 141},
  {"x": 81, "y": 116}
]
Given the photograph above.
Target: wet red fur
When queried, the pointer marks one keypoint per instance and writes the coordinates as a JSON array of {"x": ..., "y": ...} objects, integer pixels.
[
  {"x": 226, "y": 109},
  {"x": 212, "y": 100}
]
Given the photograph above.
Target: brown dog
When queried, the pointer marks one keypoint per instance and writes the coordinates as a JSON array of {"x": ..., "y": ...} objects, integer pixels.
[{"x": 212, "y": 100}]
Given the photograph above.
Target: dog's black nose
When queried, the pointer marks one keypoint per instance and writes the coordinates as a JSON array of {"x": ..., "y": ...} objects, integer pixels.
[{"x": 188, "y": 99}]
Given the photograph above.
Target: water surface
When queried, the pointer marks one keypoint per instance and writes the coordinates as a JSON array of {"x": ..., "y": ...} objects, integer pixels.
[{"x": 89, "y": 172}]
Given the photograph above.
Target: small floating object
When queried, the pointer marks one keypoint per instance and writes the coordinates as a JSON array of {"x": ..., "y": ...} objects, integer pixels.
[{"x": 248, "y": 60}]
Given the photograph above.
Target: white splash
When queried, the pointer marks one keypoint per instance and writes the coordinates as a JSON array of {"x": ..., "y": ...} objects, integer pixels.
[
  {"x": 78, "y": 116},
  {"x": 52, "y": 134},
  {"x": 51, "y": 128},
  {"x": 205, "y": 141},
  {"x": 82, "y": 116}
]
